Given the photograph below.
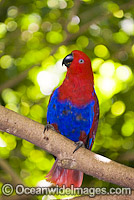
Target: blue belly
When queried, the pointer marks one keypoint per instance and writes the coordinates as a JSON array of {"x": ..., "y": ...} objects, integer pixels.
[{"x": 71, "y": 120}]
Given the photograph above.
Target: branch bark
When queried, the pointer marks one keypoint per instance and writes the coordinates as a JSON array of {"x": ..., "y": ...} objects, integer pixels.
[
  {"x": 5, "y": 166},
  {"x": 15, "y": 181},
  {"x": 15, "y": 80},
  {"x": 106, "y": 197},
  {"x": 56, "y": 144}
]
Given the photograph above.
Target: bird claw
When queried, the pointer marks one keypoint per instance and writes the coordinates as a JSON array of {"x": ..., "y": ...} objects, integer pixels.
[
  {"x": 79, "y": 144},
  {"x": 49, "y": 126}
]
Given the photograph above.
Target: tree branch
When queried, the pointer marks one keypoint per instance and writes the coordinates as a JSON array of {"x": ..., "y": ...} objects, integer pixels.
[
  {"x": 5, "y": 166},
  {"x": 106, "y": 197},
  {"x": 56, "y": 144},
  {"x": 16, "y": 80},
  {"x": 15, "y": 181},
  {"x": 74, "y": 9},
  {"x": 127, "y": 156}
]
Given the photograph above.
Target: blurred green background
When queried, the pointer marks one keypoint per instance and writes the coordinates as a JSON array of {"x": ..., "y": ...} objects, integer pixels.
[{"x": 35, "y": 36}]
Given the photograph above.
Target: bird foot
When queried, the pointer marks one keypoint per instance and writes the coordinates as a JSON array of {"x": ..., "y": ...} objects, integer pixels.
[
  {"x": 79, "y": 144},
  {"x": 49, "y": 126}
]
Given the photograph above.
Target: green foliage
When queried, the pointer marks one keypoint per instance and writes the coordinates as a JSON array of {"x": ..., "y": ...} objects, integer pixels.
[{"x": 34, "y": 36}]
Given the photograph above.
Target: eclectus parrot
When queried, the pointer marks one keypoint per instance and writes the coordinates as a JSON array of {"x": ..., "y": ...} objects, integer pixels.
[{"x": 73, "y": 111}]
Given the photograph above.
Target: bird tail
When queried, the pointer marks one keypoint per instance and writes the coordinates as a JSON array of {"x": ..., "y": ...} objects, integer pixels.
[{"x": 60, "y": 176}]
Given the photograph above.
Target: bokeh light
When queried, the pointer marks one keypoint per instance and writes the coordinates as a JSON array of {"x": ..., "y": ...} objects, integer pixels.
[
  {"x": 127, "y": 25},
  {"x": 107, "y": 69},
  {"x": 47, "y": 82},
  {"x": 54, "y": 37},
  {"x": 123, "y": 73},
  {"x": 73, "y": 28},
  {"x": 112, "y": 7},
  {"x": 50, "y": 79},
  {"x": 82, "y": 41},
  {"x": 118, "y": 14},
  {"x": 3, "y": 30},
  {"x": 118, "y": 108},
  {"x": 11, "y": 26},
  {"x": 120, "y": 37},
  {"x": 107, "y": 86},
  {"x": 101, "y": 51},
  {"x": 12, "y": 11},
  {"x": 96, "y": 63},
  {"x": 2, "y": 143},
  {"x": 95, "y": 30},
  {"x": 127, "y": 129},
  {"x": 33, "y": 27},
  {"x": 75, "y": 20},
  {"x": 6, "y": 61}
]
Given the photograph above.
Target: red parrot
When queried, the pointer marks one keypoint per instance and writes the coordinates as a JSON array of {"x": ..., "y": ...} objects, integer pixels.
[{"x": 73, "y": 111}]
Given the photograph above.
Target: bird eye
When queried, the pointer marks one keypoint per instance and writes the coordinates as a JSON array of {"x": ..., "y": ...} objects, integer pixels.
[{"x": 81, "y": 61}]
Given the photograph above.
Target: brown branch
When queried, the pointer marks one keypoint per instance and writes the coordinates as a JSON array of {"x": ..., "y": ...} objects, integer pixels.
[
  {"x": 1, "y": 3},
  {"x": 15, "y": 180},
  {"x": 83, "y": 159},
  {"x": 74, "y": 10},
  {"x": 107, "y": 197},
  {"x": 16, "y": 80},
  {"x": 5, "y": 166},
  {"x": 88, "y": 14},
  {"x": 103, "y": 15},
  {"x": 127, "y": 6},
  {"x": 18, "y": 197},
  {"x": 128, "y": 156}
]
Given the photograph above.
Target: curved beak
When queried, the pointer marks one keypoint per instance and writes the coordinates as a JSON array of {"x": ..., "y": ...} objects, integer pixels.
[{"x": 68, "y": 60}]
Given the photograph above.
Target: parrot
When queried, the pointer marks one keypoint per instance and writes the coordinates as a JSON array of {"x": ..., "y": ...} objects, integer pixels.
[{"x": 73, "y": 111}]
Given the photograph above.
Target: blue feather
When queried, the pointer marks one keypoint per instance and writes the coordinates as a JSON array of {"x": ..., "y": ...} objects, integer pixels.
[{"x": 71, "y": 120}]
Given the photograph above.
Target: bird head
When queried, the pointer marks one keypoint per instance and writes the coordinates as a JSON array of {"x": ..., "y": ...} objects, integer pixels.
[{"x": 78, "y": 64}]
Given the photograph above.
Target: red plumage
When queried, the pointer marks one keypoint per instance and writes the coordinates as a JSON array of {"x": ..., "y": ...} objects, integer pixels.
[
  {"x": 79, "y": 79},
  {"x": 60, "y": 176}
]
